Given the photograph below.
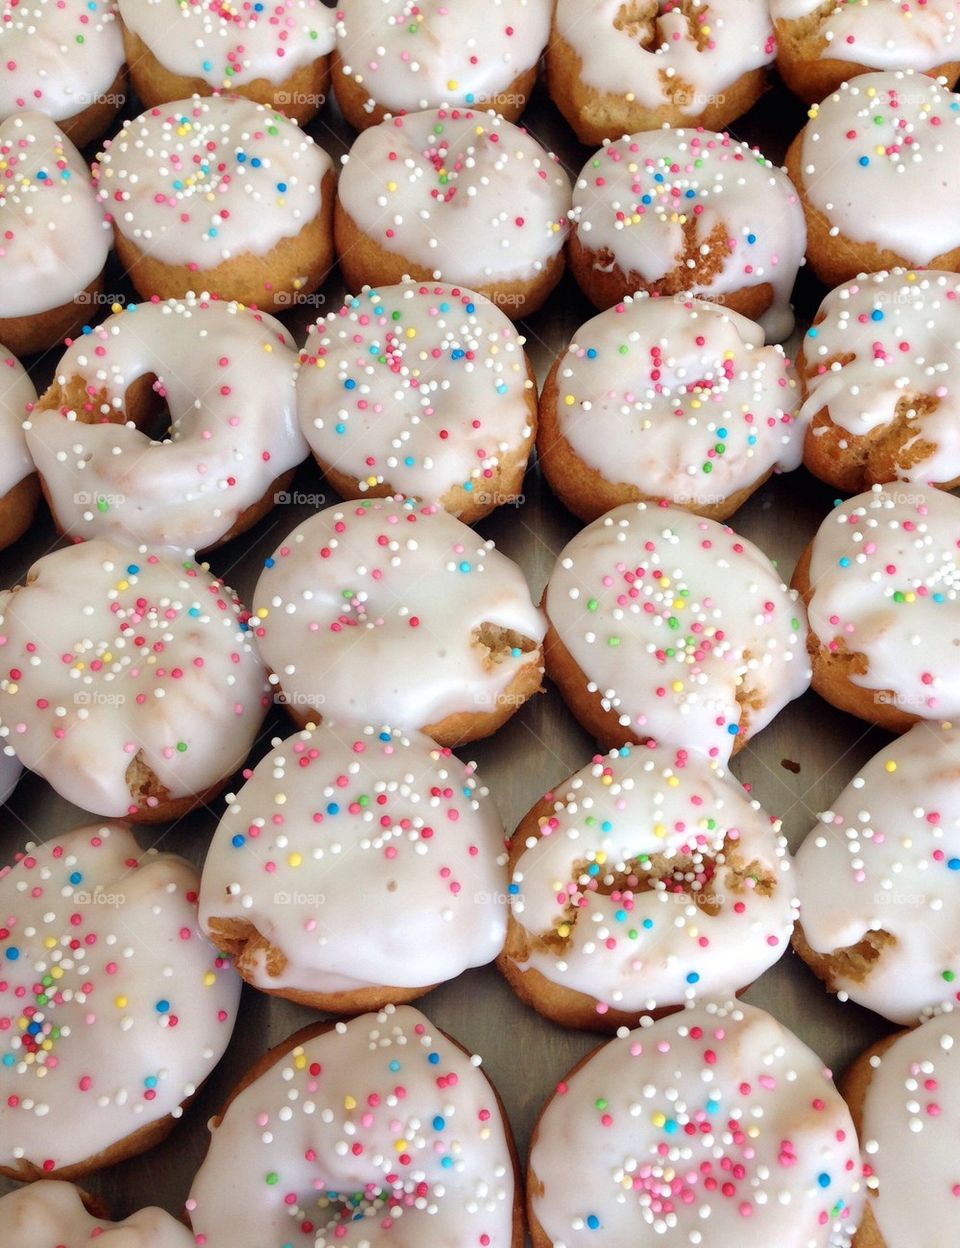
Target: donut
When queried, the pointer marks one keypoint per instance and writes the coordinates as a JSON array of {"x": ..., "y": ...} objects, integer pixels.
[
  {"x": 55, "y": 235},
  {"x": 904, "y": 1094},
  {"x": 399, "y": 56},
  {"x": 54, "y": 1215},
  {"x": 128, "y": 680},
  {"x": 63, "y": 58},
  {"x": 394, "y": 613},
  {"x": 822, "y": 45},
  {"x": 389, "y": 808},
  {"x": 666, "y": 625},
  {"x": 877, "y": 881},
  {"x": 454, "y": 194},
  {"x": 19, "y": 489},
  {"x": 274, "y": 54},
  {"x": 618, "y": 66},
  {"x": 877, "y": 168},
  {"x": 644, "y": 881},
  {"x": 101, "y": 944},
  {"x": 740, "y": 242},
  {"x": 880, "y": 583},
  {"x": 713, "y": 1126},
  {"x": 220, "y": 193},
  {"x": 695, "y": 410},
  {"x": 876, "y": 370},
  {"x": 423, "y": 390},
  {"x": 222, "y": 376},
  {"x": 382, "y": 1125}
]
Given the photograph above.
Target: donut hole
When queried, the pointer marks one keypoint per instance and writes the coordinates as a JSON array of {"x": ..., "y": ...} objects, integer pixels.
[
  {"x": 499, "y": 644},
  {"x": 640, "y": 20},
  {"x": 142, "y": 404},
  {"x": 850, "y": 963},
  {"x": 702, "y": 879}
]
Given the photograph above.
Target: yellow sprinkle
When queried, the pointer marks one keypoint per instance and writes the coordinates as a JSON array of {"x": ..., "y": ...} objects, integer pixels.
[
  {"x": 391, "y": 186},
  {"x": 563, "y": 930},
  {"x": 411, "y": 332},
  {"x": 209, "y": 979},
  {"x": 371, "y": 480},
  {"x": 891, "y": 766},
  {"x": 300, "y": 1061},
  {"x": 400, "y": 1145},
  {"x": 600, "y": 857},
  {"x": 294, "y": 860},
  {"x": 50, "y": 942},
  {"x": 120, "y": 1003},
  {"x": 121, "y": 585},
  {"x": 262, "y": 613},
  {"x": 569, "y": 400},
  {"x": 673, "y": 781},
  {"x": 658, "y": 1119},
  {"x": 349, "y": 1103},
  {"x": 677, "y": 686},
  {"x": 268, "y": 347},
  {"x": 659, "y": 830},
  {"x": 452, "y": 84}
]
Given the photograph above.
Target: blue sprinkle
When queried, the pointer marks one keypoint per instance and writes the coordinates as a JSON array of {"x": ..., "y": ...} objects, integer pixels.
[
  {"x": 954, "y": 864},
  {"x": 693, "y": 978},
  {"x": 133, "y": 569},
  {"x": 349, "y": 384},
  {"x": 823, "y": 1180},
  {"x": 75, "y": 877},
  {"x": 471, "y": 307},
  {"x": 751, "y": 239},
  {"x": 394, "y": 1066},
  {"x": 151, "y": 1081},
  {"x": 721, "y": 433},
  {"x": 433, "y": 1059},
  {"x": 647, "y": 924},
  {"x": 733, "y": 729},
  {"x": 340, "y": 428},
  {"x": 281, "y": 187},
  {"x": 238, "y": 840},
  {"x": 409, "y": 461},
  {"x": 591, "y": 353},
  {"x": 513, "y": 889},
  {"x": 162, "y": 1006},
  {"x": 384, "y": 736},
  {"x": 464, "y": 566},
  {"x": 13, "y": 954},
  {"x": 439, "y": 1123},
  {"x": 876, "y": 315},
  {"x": 255, "y": 162},
  {"x": 333, "y": 808},
  {"x": 864, "y": 161},
  {"x": 593, "y": 1222},
  {"x": 444, "y": 307},
  {"x": 844, "y": 561},
  {"x": 269, "y": 561}
]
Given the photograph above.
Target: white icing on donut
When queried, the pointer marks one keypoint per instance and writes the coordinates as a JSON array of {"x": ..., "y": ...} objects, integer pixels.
[
  {"x": 423, "y": 387},
  {"x": 228, "y": 375},
  {"x": 57, "y": 56},
  {"x": 647, "y": 50},
  {"x": 51, "y": 1215},
  {"x": 375, "y": 804},
  {"x": 885, "y": 571},
  {"x": 880, "y": 160},
  {"x": 413, "y": 54},
  {"x": 381, "y": 1119},
  {"x": 203, "y": 180},
  {"x": 54, "y": 237},
  {"x": 370, "y": 610},
  {"x": 17, "y": 394},
  {"x": 881, "y": 34},
  {"x": 676, "y": 621},
  {"x": 886, "y": 858},
  {"x": 885, "y": 342},
  {"x": 465, "y": 193},
  {"x": 110, "y": 992},
  {"x": 110, "y": 654},
  {"x": 641, "y": 198},
  {"x": 911, "y": 1119},
  {"x": 680, "y": 399},
  {"x": 656, "y": 880},
  {"x": 230, "y": 45},
  {"x": 714, "y": 1126}
]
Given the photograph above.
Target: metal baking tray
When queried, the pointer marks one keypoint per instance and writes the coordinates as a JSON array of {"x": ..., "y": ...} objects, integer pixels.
[{"x": 796, "y": 767}]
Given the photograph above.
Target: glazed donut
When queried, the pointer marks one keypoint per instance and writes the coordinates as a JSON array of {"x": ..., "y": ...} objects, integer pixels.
[
  {"x": 877, "y": 880},
  {"x": 19, "y": 489},
  {"x": 397, "y": 614},
  {"x": 503, "y": 235},
  {"x": 688, "y": 211},
  {"x": 617, "y": 66},
  {"x": 274, "y": 54},
  {"x": 880, "y": 583},
  {"x": 55, "y": 235},
  {"x": 221, "y": 193},
  {"x": 904, "y": 1095},
  {"x": 399, "y": 56},
  {"x": 643, "y": 882},
  {"x": 877, "y": 370},
  {"x": 667, "y": 399},
  {"x": 382, "y": 1125},
  {"x": 669, "y": 626},
  {"x": 128, "y": 679},
  {"x": 101, "y": 945},
  {"x": 63, "y": 58},
  {"x": 820, "y": 46},
  {"x": 392, "y": 809},
  {"x": 713, "y": 1126},
  {"x": 226, "y": 376},
  {"x": 877, "y": 168},
  {"x": 44, "y": 1215},
  {"x": 422, "y": 390}
]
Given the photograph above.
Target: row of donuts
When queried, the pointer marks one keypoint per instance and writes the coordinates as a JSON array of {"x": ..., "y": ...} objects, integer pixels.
[
  {"x": 223, "y": 193},
  {"x": 425, "y": 390},
  {"x": 612, "y": 68}
]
